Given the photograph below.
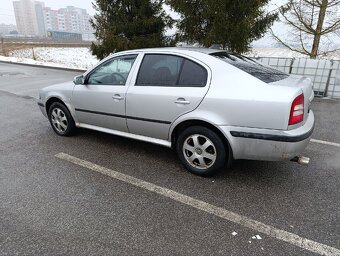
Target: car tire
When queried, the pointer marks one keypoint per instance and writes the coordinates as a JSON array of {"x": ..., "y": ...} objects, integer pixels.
[
  {"x": 201, "y": 151},
  {"x": 61, "y": 119}
]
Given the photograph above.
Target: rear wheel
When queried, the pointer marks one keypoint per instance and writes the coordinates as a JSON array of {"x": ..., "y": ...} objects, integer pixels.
[
  {"x": 201, "y": 151},
  {"x": 61, "y": 119}
]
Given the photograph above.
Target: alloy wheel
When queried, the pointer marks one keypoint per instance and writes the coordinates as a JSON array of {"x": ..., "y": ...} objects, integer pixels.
[
  {"x": 199, "y": 151},
  {"x": 59, "y": 120}
]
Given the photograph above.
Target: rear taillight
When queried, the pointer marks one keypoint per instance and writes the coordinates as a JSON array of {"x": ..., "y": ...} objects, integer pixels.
[{"x": 297, "y": 110}]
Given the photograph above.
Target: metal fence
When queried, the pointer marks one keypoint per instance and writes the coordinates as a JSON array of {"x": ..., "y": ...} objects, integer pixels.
[{"x": 324, "y": 73}]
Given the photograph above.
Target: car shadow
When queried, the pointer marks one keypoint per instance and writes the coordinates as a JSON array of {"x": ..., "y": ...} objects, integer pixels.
[
  {"x": 141, "y": 147},
  {"x": 258, "y": 170},
  {"x": 240, "y": 170}
]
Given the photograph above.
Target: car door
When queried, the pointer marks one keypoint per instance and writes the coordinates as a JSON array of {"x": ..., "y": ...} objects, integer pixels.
[
  {"x": 167, "y": 86},
  {"x": 100, "y": 101}
]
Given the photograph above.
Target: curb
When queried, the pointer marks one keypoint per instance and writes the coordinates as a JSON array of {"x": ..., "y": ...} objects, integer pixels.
[{"x": 42, "y": 66}]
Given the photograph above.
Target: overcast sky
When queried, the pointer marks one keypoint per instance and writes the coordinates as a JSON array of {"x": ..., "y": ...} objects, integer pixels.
[{"x": 7, "y": 13}]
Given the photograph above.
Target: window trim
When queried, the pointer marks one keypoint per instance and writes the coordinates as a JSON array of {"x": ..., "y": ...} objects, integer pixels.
[
  {"x": 105, "y": 62},
  {"x": 179, "y": 74}
]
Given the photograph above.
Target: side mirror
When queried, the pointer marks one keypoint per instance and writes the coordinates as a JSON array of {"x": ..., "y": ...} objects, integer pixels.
[{"x": 79, "y": 80}]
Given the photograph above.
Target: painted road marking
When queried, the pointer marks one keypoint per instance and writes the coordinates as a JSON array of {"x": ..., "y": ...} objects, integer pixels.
[
  {"x": 325, "y": 142},
  {"x": 271, "y": 231}
]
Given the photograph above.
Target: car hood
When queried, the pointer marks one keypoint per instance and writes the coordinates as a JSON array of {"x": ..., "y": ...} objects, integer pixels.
[{"x": 58, "y": 87}]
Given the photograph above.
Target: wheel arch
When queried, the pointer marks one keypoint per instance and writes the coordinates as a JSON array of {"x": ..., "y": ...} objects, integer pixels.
[
  {"x": 53, "y": 99},
  {"x": 196, "y": 122},
  {"x": 70, "y": 126}
]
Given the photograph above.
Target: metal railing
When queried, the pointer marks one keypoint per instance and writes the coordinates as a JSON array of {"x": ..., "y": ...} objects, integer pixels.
[{"x": 324, "y": 73}]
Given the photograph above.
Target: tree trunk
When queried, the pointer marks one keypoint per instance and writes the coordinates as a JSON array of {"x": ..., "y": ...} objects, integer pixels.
[{"x": 317, "y": 35}]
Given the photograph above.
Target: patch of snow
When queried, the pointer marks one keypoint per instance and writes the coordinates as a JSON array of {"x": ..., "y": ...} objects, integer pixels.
[
  {"x": 283, "y": 53},
  {"x": 34, "y": 62},
  {"x": 80, "y": 57},
  {"x": 273, "y": 52},
  {"x": 257, "y": 237}
]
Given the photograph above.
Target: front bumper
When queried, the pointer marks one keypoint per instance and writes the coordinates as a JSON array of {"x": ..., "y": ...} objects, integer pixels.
[
  {"x": 269, "y": 145},
  {"x": 42, "y": 107}
]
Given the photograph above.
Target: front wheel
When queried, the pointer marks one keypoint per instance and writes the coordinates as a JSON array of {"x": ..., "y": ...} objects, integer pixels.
[
  {"x": 61, "y": 119},
  {"x": 201, "y": 151}
]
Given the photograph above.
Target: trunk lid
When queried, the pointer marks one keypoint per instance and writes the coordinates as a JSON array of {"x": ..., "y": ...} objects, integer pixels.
[{"x": 303, "y": 83}]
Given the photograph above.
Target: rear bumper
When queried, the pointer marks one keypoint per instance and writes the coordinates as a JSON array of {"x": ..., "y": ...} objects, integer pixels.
[{"x": 271, "y": 145}]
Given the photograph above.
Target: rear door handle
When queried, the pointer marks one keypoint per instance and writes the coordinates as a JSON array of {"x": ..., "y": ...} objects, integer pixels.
[
  {"x": 182, "y": 101},
  {"x": 117, "y": 97}
]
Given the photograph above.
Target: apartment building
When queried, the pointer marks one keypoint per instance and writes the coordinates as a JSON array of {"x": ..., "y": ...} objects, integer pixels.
[
  {"x": 35, "y": 19},
  {"x": 6, "y": 29},
  {"x": 26, "y": 17},
  {"x": 69, "y": 19}
]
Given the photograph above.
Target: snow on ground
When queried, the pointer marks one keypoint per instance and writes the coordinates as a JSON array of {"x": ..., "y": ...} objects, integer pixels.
[
  {"x": 80, "y": 58},
  {"x": 273, "y": 52},
  {"x": 283, "y": 53},
  {"x": 34, "y": 62}
]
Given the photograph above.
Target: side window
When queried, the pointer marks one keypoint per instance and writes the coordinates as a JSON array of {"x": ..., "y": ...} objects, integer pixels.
[
  {"x": 192, "y": 75},
  {"x": 159, "y": 70},
  {"x": 113, "y": 72},
  {"x": 169, "y": 70}
]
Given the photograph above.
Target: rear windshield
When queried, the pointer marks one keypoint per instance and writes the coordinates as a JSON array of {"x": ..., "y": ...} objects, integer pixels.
[{"x": 264, "y": 73}]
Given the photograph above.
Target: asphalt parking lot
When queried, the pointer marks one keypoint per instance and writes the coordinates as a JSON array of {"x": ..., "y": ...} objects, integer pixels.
[{"x": 51, "y": 206}]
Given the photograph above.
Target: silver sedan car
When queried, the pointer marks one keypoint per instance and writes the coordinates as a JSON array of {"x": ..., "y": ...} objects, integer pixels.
[{"x": 209, "y": 105}]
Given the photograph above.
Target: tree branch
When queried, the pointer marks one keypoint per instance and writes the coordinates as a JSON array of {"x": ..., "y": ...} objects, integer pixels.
[
  {"x": 315, "y": 4},
  {"x": 302, "y": 21},
  {"x": 331, "y": 28},
  {"x": 303, "y": 45},
  {"x": 291, "y": 23},
  {"x": 304, "y": 52},
  {"x": 333, "y": 3}
]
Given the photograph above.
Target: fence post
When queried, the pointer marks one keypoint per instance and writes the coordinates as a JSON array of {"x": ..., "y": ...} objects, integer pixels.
[
  {"x": 328, "y": 79},
  {"x": 3, "y": 46},
  {"x": 291, "y": 65},
  {"x": 33, "y": 54}
]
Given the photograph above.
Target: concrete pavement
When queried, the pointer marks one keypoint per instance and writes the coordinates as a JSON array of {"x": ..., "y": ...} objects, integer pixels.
[{"x": 52, "y": 207}]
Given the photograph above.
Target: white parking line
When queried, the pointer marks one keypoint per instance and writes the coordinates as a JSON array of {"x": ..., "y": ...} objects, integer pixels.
[
  {"x": 271, "y": 231},
  {"x": 325, "y": 142}
]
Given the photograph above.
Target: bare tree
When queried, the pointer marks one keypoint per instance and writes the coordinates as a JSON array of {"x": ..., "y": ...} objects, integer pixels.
[{"x": 312, "y": 22}]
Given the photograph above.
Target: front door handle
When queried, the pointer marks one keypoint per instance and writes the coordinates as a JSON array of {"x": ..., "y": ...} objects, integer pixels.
[
  {"x": 117, "y": 97},
  {"x": 182, "y": 101}
]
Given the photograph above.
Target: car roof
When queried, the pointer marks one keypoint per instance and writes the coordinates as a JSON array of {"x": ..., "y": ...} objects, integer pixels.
[{"x": 176, "y": 49}]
